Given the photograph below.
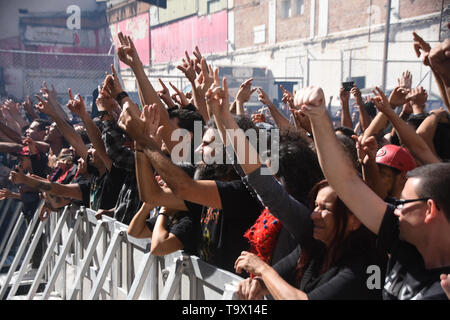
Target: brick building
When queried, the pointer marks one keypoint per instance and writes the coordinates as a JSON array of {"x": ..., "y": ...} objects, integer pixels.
[{"x": 292, "y": 42}]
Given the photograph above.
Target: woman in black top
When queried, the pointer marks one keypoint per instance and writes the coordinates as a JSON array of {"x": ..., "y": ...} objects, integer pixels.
[{"x": 336, "y": 250}]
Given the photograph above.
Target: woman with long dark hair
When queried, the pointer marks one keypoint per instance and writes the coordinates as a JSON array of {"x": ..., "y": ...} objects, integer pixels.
[{"x": 335, "y": 251}]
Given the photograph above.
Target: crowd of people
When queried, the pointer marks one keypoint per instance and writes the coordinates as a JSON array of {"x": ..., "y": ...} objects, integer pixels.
[{"x": 340, "y": 199}]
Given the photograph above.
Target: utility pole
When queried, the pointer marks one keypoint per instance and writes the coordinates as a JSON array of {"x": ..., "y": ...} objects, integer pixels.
[{"x": 386, "y": 43}]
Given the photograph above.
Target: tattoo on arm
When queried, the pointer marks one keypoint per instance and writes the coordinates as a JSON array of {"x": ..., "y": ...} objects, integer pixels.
[{"x": 44, "y": 186}]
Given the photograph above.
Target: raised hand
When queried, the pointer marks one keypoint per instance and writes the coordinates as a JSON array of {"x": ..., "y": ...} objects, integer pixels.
[
  {"x": 132, "y": 124},
  {"x": 151, "y": 116},
  {"x": 405, "y": 81},
  {"x": 245, "y": 91},
  {"x": 50, "y": 95},
  {"x": 179, "y": 96},
  {"x": 188, "y": 68},
  {"x": 76, "y": 106},
  {"x": 357, "y": 94},
  {"x": 44, "y": 106},
  {"x": 217, "y": 100},
  {"x": 28, "y": 107},
  {"x": 344, "y": 95},
  {"x": 311, "y": 101},
  {"x": 112, "y": 84},
  {"x": 205, "y": 79},
  {"x": 301, "y": 121},
  {"x": 287, "y": 98},
  {"x": 366, "y": 148},
  {"x": 421, "y": 45},
  {"x": 398, "y": 97},
  {"x": 263, "y": 97},
  {"x": 104, "y": 100},
  {"x": 439, "y": 59},
  {"x": 127, "y": 52},
  {"x": 418, "y": 96},
  {"x": 381, "y": 101},
  {"x": 198, "y": 59},
  {"x": 164, "y": 94}
]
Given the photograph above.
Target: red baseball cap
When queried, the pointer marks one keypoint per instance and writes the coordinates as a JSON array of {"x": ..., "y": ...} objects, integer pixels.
[{"x": 396, "y": 157}]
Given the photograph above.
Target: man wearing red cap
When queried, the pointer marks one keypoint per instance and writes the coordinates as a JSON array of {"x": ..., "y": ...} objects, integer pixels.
[{"x": 393, "y": 163}]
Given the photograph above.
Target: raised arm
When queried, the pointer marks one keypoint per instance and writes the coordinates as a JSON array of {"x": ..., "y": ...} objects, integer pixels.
[
  {"x": 346, "y": 119},
  {"x": 77, "y": 107},
  {"x": 340, "y": 173},
  {"x": 421, "y": 45},
  {"x": 149, "y": 189},
  {"x": 52, "y": 97},
  {"x": 72, "y": 191},
  {"x": 364, "y": 118},
  {"x": 279, "y": 118},
  {"x": 199, "y": 83},
  {"x": 65, "y": 128},
  {"x": 243, "y": 95},
  {"x": 138, "y": 227},
  {"x": 419, "y": 149},
  {"x": 427, "y": 128},
  {"x": 397, "y": 98},
  {"x": 204, "y": 192}
]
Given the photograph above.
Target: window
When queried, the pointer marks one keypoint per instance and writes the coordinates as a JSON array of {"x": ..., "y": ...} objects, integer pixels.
[
  {"x": 291, "y": 8},
  {"x": 297, "y": 7},
  {"x": 259, "y": 34},
  {"x": 285, "y": 8}
]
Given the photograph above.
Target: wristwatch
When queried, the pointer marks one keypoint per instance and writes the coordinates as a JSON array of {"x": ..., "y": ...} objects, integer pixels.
[
  {"x": 102, "y": 113},
  {"x": 120, "y": 96}
]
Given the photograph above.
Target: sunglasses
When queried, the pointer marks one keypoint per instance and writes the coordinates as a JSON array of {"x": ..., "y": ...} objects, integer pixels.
[{"x": 399, "y": 203}]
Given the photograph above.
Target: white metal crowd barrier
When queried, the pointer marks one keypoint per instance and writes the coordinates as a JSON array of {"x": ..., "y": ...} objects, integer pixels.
[{"x": 89, "y": 259}]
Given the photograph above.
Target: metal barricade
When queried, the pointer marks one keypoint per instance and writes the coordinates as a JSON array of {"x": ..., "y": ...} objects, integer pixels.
[{"x": 90, "y": 259}]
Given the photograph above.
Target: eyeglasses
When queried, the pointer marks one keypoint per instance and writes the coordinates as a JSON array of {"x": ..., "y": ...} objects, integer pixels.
[{"x": 399, "y": 203}]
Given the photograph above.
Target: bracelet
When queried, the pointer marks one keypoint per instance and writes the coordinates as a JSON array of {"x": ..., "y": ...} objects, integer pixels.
[
  {"x": 120, "y": 96},
  {"x": 165, "y": 215}
]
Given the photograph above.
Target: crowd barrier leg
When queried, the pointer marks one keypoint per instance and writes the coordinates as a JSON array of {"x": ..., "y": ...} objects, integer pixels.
[
  {"x": 14, "y": 217},
  {"x": 6, "y": 203},
  {"x": 62, "y": 257},
  {"x": 106, "y": 265},
  {"x": 144, "y": 269},
  {"x": 27, "y": 259},
  {"x": 20, "y": 251},
  {"x": 173, "y": 281},
  {"x": 12, "y": 238},
  {"x": 98, "y": 232},
  {"x": 48, "y": 254}
]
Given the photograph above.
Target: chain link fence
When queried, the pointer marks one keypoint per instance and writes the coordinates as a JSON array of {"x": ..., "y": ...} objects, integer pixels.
[{"x": 23, "y": 72}]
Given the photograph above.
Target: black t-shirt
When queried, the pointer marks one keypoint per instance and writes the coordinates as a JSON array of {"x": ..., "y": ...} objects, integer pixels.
[
  {"x": 406, "y": 276},
  {"x": 105, "y": 197},
  {"x": 85, "y": 187},
  {"x": 345, "y": 281},
  {"x": 223, "y": 230},
  {"x": 185, "y": 225}
]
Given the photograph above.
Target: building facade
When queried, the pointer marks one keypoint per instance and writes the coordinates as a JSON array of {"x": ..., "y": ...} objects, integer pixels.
[{"x": 295, "y": 42}]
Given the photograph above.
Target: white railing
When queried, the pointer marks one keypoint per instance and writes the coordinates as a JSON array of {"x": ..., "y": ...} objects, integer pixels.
[{"x": 89, "y": 259}]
